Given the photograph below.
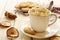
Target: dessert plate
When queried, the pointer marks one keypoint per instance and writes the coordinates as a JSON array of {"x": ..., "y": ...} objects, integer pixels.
[{"x": 50, "y": 31}]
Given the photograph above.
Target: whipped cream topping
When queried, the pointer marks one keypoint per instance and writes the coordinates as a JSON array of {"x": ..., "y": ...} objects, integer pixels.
[{"x": 39, "y": 11}]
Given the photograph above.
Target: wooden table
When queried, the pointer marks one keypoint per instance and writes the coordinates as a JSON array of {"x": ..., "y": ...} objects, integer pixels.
[{"x": 9, "y": 6}]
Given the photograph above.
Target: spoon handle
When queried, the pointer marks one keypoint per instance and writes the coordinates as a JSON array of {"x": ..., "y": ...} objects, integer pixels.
[{"x": 51, "y": 4}]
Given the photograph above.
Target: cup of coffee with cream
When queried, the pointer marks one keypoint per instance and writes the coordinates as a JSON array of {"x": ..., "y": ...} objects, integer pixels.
[{"x": 39, "y": 18}]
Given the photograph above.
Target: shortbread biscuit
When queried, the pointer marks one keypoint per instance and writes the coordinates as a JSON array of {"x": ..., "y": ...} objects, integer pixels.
[
  {"x": 5, "y": 24},
  {"x": 22, "y": 5},
  {"x": 29, "y": 30}
]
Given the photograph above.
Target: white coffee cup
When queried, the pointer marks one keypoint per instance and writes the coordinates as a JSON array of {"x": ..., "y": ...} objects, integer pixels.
[{"x": 40, "y": 23}]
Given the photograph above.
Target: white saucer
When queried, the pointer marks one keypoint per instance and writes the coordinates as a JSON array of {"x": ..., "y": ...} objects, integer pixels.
[{"x": 51, "y": 30}]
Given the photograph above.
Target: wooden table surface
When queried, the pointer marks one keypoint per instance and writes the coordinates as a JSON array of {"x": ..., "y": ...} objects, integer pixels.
[{"x": 8, "y": 5}]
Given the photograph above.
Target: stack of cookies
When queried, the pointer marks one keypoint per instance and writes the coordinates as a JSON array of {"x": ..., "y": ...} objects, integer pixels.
[{"x": 25, "y": 6}]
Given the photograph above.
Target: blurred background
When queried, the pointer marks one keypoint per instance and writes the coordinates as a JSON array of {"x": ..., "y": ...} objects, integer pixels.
[{"x": 9, "y": 4}]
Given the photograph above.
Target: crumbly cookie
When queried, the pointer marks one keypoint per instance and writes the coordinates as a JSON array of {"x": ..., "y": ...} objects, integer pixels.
[
  {"x": 29, "y": 30},
  {"x": 5, "y": 24},
  {"x": 12, "y": 32},
  {"x": 10, "y": 15},
  {"x": 55, "y": 38}
]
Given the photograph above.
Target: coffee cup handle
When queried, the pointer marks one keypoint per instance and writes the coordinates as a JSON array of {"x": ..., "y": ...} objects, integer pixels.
[{"x": 54, "y": 20}]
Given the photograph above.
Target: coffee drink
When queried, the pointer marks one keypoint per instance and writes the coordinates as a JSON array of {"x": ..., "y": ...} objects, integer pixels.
[{"x": 39, "y": 18}]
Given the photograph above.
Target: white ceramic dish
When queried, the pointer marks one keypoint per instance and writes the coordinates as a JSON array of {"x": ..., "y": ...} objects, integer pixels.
[{"x": 51, "y": 30}]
